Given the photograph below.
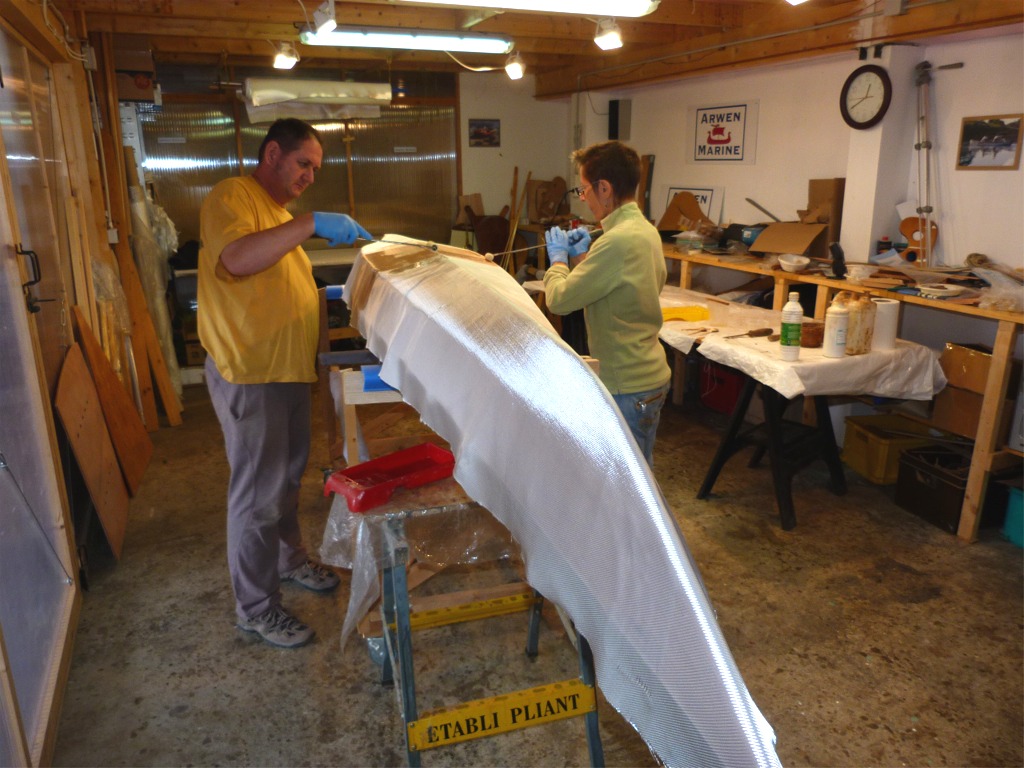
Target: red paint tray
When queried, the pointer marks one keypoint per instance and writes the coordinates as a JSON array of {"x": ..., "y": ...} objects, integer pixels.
[{"x": 371, "y": 483}]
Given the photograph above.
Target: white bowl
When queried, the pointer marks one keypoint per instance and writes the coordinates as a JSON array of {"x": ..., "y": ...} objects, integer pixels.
[
  {"x": 790, "y": 262},
  {"x": 858, "y": 272}
]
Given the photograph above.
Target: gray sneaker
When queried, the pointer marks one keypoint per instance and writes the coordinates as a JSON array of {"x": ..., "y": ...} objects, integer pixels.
[
  {"x": 312, "y": 575},
  {"x": 278, "y": 627}
]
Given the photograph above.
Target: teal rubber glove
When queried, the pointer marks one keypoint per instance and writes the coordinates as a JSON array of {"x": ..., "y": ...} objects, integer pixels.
[
  {"x": 558, "y": 246},
  {"x": 579, "y": 242},
  {"x": 338, "y": 228}
]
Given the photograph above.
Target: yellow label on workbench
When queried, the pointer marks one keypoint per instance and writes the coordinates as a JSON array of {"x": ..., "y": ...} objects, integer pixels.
[
  {"x": 692, "y": 314},
  {"x": 500, "y": 714}
]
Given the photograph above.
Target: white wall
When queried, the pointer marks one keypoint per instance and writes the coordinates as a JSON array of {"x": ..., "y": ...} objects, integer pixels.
[
  {"x": 976, "y": 211},
  {"x": 801, "y": 136},
  {"x": 533, "y": 136}
]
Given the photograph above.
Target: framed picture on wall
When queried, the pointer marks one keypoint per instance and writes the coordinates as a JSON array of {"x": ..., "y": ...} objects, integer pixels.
[
  {"x": 725, "y": 133},
  {"x": 990, "y": 143},
  {"x": 484, "y": 133}
]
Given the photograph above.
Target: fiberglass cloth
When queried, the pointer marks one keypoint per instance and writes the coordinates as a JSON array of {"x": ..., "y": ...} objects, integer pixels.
[{"x": 474, "y": 355}]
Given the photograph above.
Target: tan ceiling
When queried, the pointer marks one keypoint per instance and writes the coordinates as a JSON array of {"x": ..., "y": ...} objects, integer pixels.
[{"x": 680, "y": 38}]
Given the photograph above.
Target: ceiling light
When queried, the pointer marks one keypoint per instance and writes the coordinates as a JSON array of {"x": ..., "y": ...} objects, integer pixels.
[
  {"x": 404, "y": 39},
  {"x": 324, "y": 19},
  {"x": 796, "y": 2},
  {"x": 620, "y": 8},
  {"x": 608, "y": 35},
  {"x": 261, "y": 91},
  {"x": 514, "y": 67},
  {"x": 286, "y": 57}
]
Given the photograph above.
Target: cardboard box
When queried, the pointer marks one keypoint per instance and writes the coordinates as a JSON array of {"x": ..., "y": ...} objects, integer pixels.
[
  {"x": 194, "y": 353},
  {"x": 189, "y": 328},
  {"x": 683, "y": 213},
  {"x": 959, "y": 411},
  {"x": 133, "y": 61},
  {"x": 825, "y": 205},
  {"x": 135, "y": 86},
  {"x": 966, "y": 365},
  {"x": 135, "y": 72},
  {"x": 793, "y": 237}
]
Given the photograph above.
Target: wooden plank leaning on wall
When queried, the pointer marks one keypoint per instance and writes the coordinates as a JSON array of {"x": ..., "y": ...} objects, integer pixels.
[{"x": 150, "y": 365}]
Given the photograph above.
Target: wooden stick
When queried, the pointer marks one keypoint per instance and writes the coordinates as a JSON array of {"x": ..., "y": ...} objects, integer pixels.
[
  {"x": 515, "y": 187},
  {"x": 513, "y": 226}
]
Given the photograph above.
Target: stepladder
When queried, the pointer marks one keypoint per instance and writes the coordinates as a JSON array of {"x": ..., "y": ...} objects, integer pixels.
[{"x": 490, "y": 716}]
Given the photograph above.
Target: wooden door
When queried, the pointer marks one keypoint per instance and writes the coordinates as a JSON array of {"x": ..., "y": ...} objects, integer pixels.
[{"x": 40, "y": 595}]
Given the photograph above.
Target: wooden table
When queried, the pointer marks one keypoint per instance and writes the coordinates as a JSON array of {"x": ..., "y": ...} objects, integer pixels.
[{"x": 988, "y": 455}]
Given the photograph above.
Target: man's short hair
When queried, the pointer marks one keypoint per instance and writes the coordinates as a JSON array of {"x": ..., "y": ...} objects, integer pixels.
[{"x": 289, "y": 133}]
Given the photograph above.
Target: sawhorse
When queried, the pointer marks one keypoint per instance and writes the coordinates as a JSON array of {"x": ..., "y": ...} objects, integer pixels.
[
  {"x": 790, "y": 446},
  {"x": 484, "y": 717}
]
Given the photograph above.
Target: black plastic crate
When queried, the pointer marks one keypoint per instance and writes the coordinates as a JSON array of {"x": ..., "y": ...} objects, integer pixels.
[{"x": 931, "y": 484}]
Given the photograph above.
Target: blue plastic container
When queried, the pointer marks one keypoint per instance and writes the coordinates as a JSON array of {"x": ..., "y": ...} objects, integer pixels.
[{"x": 1013, "y": 525}]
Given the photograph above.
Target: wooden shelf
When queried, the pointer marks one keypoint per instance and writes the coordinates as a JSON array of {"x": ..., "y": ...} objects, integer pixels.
[
  {"x": 753, "y": 265},
  {"x": 987, "y": 456}
]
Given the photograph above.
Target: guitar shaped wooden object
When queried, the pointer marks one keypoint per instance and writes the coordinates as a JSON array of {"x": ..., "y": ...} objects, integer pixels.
[{"x": 917, "y": 250}]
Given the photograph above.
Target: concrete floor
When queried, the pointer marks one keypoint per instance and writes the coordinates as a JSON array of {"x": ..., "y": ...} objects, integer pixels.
[{"x": 866, "y": 636}]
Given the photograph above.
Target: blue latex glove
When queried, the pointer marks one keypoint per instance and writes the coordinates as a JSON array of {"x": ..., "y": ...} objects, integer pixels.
[
  {"x": 579, "y": 241},
  {"x": 558, "y": 246},
  {"x": 338, "y": 228}
]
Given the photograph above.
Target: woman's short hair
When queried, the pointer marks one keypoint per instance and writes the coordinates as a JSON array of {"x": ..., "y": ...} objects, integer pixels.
[
  {"x": 613, "y": 161},
  {"x": 289, "y": 133}
]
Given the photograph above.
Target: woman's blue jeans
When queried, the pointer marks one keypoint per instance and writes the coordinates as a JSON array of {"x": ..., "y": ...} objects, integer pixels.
[{"x": 642, "y": 411}]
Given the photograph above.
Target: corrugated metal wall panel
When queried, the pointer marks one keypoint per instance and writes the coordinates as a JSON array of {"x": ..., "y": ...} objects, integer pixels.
[
  {"x": 189, "y": 148},
  {"x": 403, "y": 166},
  {"x": 404, "y": 170}
]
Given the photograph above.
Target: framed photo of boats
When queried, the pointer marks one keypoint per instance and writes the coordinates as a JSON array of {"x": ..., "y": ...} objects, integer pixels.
[
  {"x": 484, "y": 133},
  {"x": 990, "y": 143}
]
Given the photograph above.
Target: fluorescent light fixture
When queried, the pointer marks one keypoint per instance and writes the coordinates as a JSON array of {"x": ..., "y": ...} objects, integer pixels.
[
  {"x": 261, "y": 91},
  {"x": 620, "y": 8},
  {"x": 796, "y": 2},
  {"x": 324, "y": 19},
  {"x": 608, "y": 36},
  {"x": 514, "y": 67},
  {"x": 405, "y": 39},
  {"x": 286, "y": 57}
]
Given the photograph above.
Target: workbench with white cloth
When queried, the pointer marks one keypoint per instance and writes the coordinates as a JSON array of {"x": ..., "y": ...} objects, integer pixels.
[
  {"x": 909, "y": 372},
  {"x": 471, "y": 352}
]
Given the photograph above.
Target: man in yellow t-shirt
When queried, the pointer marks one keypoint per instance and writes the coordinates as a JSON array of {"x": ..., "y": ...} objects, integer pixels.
[{"x": 258, "y": 317}]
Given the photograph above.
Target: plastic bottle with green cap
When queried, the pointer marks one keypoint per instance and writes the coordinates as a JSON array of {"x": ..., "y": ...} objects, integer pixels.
[{"x": 792, "y": 322}]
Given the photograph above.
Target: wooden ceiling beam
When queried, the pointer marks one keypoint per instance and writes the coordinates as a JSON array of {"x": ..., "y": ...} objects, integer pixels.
[
  {"x": 536, "y": 27},
  {"x": 844, "y": 26}
]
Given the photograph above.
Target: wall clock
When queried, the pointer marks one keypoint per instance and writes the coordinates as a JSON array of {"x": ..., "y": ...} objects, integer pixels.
[{"x": 865, "y": 97}]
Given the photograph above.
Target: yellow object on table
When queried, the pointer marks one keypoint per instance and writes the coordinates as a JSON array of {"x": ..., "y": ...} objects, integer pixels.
[{"x": 689, "y": 314}]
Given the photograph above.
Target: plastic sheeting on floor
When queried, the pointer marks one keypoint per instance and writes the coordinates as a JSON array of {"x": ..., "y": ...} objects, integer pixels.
[{"x": 474, "y": 355}]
